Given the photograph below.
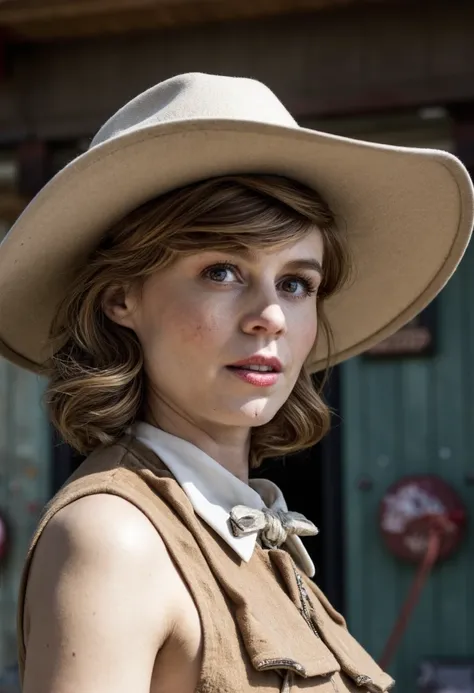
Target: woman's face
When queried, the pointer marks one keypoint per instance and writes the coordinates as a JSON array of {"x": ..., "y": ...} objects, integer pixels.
[{"x": 212, "y": 310}]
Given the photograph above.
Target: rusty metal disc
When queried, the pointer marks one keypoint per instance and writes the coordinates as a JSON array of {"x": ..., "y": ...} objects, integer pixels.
[{"x": 412, "y": 508}]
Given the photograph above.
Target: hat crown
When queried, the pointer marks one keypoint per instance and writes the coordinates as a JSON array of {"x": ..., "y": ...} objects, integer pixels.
[{"x": 197, "y": 96}]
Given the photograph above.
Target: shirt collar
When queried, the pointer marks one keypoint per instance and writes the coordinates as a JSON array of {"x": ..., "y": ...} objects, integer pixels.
[{"x": 213, "y": 491}]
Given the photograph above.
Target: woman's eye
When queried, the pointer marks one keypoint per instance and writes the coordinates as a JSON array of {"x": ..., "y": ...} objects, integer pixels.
[
  {"x": 298, "y": 286},
  {"x": 220, "y": 273}
]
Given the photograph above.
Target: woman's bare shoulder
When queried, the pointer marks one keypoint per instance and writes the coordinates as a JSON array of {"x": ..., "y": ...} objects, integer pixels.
[
  {"x": 101, "y": 533},
  {"x": 102, "y": 530},
  {"x": 105, "y": 518},
  {"x": 102, "y": 587}
]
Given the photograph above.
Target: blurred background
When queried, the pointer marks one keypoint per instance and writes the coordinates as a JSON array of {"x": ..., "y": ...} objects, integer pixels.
[{"x": 399, "y": 72}]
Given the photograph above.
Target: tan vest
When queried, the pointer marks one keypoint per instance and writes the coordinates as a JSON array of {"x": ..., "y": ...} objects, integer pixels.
[{"x": 266, "y": 627}]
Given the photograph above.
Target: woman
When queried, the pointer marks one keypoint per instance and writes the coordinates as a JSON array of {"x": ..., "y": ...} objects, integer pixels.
[{"x": 178, "y": 283}]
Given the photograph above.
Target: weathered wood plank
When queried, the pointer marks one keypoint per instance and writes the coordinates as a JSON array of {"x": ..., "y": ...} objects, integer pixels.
[{"x": 56, "y": 19}]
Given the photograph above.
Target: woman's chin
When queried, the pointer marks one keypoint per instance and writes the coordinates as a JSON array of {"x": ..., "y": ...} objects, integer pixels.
[
  {"x": 244, "y": 413},
  {"x": 258, "y": 413}
]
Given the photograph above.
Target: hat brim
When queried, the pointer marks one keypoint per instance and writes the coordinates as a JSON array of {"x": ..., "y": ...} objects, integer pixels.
[{"x": 407, "y": 214}]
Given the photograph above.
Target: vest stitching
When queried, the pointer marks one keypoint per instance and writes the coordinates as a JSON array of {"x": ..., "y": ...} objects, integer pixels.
[
  {"x": 369, "y": 684},
  {"x": 267, "y": 664}
]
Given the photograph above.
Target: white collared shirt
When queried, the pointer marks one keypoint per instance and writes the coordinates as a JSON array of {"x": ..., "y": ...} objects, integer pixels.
[{"x": 213, "y": 491}]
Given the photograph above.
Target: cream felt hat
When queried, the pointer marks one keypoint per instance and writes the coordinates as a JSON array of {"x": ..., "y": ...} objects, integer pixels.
[{"x": 407, "y": 213}]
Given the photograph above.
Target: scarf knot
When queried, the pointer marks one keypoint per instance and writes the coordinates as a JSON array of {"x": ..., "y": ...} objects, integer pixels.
[{"x": 273, "y": 526}]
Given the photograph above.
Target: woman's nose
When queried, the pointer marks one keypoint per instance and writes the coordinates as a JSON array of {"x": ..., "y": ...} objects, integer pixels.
[{"x": 270, "y": 320}]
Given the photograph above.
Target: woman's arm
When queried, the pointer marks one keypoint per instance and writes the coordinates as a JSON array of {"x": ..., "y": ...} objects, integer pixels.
[{"x": 100, "y": 601}]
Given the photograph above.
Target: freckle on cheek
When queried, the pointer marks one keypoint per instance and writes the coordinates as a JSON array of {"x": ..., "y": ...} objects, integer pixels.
[
  {"x": 193, "y": 332},
  {"x": 202, "y": 330}
]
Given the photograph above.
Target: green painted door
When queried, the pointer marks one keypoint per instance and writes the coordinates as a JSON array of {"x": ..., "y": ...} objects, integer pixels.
[{"x": 399, "y": 418}]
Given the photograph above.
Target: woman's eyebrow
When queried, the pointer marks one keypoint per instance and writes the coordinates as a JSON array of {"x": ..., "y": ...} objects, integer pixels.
[
  {"x": 314, "y": 265},
  {"x": 292, "y": 265}
]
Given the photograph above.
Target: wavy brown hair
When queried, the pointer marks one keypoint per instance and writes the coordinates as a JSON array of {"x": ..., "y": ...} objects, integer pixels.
[{"x": 97, "y": 384}]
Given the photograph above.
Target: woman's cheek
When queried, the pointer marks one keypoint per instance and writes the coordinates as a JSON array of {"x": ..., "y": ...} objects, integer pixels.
[
  {"x": 307, "y": 345},
  {"x": 199, "y": 330},
  {"x": 305, "y": 334}
]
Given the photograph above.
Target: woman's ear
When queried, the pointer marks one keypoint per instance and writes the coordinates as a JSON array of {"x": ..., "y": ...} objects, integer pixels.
[{"x": 119, "y": 304}]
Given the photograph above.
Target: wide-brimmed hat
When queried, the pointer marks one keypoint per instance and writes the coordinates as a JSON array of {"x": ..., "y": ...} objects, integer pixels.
[{"x": 407, "y": 213}]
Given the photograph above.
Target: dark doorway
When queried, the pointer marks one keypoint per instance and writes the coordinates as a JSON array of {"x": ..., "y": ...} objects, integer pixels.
[
  {"x": 64, "y": 462},
  {"x": 311, "y": 482}
]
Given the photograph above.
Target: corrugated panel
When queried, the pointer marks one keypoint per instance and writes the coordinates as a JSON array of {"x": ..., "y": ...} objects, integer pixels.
[
  {"x": 25, "y": 451},
  {"x": 400, "y": 418}
]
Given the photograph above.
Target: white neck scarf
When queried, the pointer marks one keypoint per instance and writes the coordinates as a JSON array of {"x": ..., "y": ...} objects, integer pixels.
[{"x": 213, "y": 491}]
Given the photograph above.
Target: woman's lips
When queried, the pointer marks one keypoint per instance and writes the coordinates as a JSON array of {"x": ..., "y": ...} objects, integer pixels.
[
  {"x": 273, "y": 363},
  {"x": 257, "y": 378}
]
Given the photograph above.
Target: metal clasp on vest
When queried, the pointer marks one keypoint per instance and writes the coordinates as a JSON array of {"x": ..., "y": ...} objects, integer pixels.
[{"x": 304, "y": 600}]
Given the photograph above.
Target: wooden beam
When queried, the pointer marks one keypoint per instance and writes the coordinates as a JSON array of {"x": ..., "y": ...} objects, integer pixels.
[{"x": 33, "y": 20}]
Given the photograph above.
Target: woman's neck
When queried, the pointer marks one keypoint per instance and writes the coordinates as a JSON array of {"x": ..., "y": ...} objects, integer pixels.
[{"x": 228, "y": 446}]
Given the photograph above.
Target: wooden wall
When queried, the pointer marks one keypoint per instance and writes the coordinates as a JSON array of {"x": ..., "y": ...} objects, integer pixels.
[
  {"x": 354, "y": 59},
  {"x": 401, "y": 418}
]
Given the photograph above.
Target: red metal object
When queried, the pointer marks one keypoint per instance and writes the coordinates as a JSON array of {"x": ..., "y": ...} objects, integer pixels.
[
  {"x": 422, "y": 520},
  {"x": 405, "y": 512}
]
